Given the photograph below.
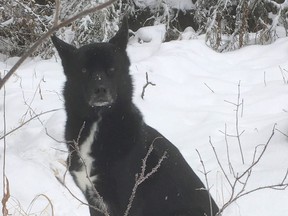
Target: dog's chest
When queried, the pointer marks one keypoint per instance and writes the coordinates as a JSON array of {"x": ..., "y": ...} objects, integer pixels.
[{"x": 83, "y": 176}]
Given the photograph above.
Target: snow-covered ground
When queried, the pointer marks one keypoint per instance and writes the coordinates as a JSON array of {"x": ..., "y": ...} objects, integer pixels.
[{"x": 194, "y": 101}]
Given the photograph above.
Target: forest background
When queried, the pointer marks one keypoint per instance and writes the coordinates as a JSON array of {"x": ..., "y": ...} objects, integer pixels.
[{"x": 227, "y": 24}]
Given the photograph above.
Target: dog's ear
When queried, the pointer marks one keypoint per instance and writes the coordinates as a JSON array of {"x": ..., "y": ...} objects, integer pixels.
[
  {"x": 121, "y": 37},
  {"x": 65, "y": 50}
]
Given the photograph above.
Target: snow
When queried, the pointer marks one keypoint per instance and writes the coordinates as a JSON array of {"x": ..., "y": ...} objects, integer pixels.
[
  {"x": 193, "y": 101},
  {"x": 179, "y": 4},
  {"x": 149, "y": 34},
  {"x": 8, "y": 22}
]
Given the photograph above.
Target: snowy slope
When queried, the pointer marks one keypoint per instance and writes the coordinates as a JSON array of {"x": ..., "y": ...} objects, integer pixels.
[{"x": 194, "y": 98}]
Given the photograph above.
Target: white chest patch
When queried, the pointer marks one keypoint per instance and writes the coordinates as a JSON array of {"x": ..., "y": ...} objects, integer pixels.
[{"x": 83, "y": 178}]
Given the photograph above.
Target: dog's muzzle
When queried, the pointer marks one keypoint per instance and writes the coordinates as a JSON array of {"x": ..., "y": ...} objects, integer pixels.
[{"x": 101, "y": 97}]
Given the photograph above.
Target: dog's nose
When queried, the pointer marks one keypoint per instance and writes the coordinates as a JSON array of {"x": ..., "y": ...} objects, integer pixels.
[
  {"x": 101, "y": 90},
  {"x": 101, "y": 96}
]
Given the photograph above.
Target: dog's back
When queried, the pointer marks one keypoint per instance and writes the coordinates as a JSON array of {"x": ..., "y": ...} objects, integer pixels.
[{"x": 123, "y": 166}]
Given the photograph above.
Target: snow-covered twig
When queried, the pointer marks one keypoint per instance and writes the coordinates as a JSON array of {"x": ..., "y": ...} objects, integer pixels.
[
  {"x": 27, "y": 8},
  {"x": 276, "y": 4}
]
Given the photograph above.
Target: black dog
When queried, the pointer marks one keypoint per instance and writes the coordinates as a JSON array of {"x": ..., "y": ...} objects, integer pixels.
[{"x": 115, "y": 158}]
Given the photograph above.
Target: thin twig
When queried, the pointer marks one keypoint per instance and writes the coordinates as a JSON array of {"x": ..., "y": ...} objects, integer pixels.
[
  {"x": 283, "y": 75},
  {"x": 35, "y": 199},
  {"x": 146, "y": 85},
  {"x": 281, "y": 186},
  {"x": 230, "y": 102},
  {"x": 206, "y": 181},
  {"x": 242, "y": 108},
  {"x": 29, "y": 105},
  {"x": 26, "y": 122},
  {"x": 6, "y": 193},
  {"x": 230, "y": 135},
  {"x": 6, "y": 196},
  {"x": 284, "y": 134},
  {"x": 237, "y": 123},
  {"x": 219, "y": 163},
  {"x": 209, "y": 88},
  {"x": 228, "y": 152},
  {"x": 75, "y": 148},
  {"x": 141, "y": 177},
  {"x": 256, "y": 161},
  {"x": 238, "y": 185},
  {"x": 237, "y": 114}
]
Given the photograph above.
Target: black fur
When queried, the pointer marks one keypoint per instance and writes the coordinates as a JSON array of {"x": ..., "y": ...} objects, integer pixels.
[{"x": 99, "y": 89}]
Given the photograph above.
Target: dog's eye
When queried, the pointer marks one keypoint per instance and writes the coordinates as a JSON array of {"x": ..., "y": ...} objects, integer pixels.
[
  {"x": 83, "y": 70},
  {"x": 110, "y": 71}
]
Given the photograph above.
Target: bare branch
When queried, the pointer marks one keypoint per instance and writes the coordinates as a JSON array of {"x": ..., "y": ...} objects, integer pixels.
[
  {"x": 26, "y": 122},
  {"x": 209, "y": 88},
  {"x": 75, "y": 148},
  {"x": 281, "y": 186},
  {"x": 6, "y": 193},
  {"x": 219, "y": 163},
  {"x": 284, "y": 134},
  {"x": 284, "y": 77},
  {"x": 230, "y": 135},
  {"x": 239, "y": 183},
  {"x": 141, "y": 177},
  {"x": 237, "y": 123},
  {"x": 206, "y": 181},
  {"x": 29, "y": 105},
  {"x": 57, "y": 11},
  {"x": 49, "y": 203},
  {"x": 6, "y": 196},
  {"x": 238, "y": 104},
  {"x": 146, "y": 85},
  {"x": 256, "y": 161},
  {"x": 228, "y": 152}
]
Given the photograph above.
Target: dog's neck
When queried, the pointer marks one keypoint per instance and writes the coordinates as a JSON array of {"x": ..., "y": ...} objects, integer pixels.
[{"x": 119, "y": 115}]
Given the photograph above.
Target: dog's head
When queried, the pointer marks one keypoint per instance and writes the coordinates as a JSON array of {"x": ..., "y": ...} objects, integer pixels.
[{"x": 97, "y": 74}]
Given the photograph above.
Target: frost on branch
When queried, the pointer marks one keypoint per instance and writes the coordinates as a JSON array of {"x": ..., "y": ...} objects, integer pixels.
[
  {"x": 233, "y": 24},
  {"x": 22, "y": 22},
  {"x": 228, "y": 24}
]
